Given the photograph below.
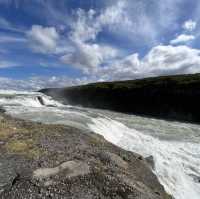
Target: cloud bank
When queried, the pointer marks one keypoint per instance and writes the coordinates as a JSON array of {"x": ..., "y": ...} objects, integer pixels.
[
  {"x": 108, "y": 40},
  {"x": 160, "y": 60}
]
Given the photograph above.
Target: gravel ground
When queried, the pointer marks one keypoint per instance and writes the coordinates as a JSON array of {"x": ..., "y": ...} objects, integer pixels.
[{"x": 55, "y": 161}]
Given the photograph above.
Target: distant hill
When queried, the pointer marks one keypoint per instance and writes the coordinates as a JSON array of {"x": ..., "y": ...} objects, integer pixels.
[{"x": 171, "y": 97}]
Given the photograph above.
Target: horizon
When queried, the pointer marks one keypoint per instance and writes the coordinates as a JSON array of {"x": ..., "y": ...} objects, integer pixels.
[{"x": 58, "y": 44}]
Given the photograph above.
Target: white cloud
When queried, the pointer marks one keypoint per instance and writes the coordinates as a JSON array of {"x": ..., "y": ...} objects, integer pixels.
[
  {"x": 43, "y": 39},
  {"x": 87, "y": 54},
  {"x": 85, "y": 27},
  {"x": 134, "y": 22},
  {"x": 7, "y": 25},
  {"x": 183, "y": 38},
  {"x": 7, "y": 64},
  {"x": 128, "y": 20},
  {"x": 123, "y": 18},
  {"x": 88, "y": 57},
  {"x": 127, "y": 68},
  {"x": 161, "y": 60},
  {"x": 115, "y": 16},
  {"x": 189, "y": 25},
  {"x": 11, "y": 39},
  {"x": 82, "y": 50},
  {"x": 96, "y": 59},
  {"x": 172, "y": 60},
  {"x": 89, "y": 24},
  {"x": 36, "y": 83}
]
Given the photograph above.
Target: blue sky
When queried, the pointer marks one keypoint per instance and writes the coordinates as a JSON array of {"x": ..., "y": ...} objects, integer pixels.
[{"x": 59, "y": 43}]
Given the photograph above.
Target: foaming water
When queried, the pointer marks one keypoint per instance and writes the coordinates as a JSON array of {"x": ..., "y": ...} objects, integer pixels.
[
  {"x": 25, "y": 99},
  {"x": 177, "y": 164},
  {"x": 174, "y": 146}
]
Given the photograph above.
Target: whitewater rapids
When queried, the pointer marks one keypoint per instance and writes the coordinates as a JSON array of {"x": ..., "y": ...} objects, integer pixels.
[{"x": 174, "y": 146}]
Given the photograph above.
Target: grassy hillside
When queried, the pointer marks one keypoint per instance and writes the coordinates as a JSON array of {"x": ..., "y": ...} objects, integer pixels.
[{"x": 172, "y": 97}]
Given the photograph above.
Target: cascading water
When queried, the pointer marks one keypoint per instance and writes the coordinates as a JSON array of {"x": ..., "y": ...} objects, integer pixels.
[
  {"x": 174, "y": 146},
  {"x": 177, "y": 164},
  {"x": 26, "y": 99}
]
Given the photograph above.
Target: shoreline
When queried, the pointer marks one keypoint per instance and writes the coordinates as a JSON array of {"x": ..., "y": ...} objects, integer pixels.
[{"x": 57, "y": 161}]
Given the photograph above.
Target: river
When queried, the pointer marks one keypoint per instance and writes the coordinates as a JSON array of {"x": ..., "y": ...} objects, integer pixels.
[{"x": 175, "y": 146}]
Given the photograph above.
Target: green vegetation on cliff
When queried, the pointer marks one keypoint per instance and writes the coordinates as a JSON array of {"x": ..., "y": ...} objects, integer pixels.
[{"x": 171, "y": 97}]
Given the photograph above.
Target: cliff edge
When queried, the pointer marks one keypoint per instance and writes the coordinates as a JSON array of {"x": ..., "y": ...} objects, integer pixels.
[{"x": 167, "y": 97}]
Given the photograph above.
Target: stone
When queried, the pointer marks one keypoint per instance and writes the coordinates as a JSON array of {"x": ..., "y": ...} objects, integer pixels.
[{"x": 150, "y": 161}]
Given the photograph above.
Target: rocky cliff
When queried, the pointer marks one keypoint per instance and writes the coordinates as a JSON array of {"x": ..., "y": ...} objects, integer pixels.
[{"x": 170, "y": 97}]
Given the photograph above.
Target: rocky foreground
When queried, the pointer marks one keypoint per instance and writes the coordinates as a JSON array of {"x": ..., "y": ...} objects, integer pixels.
[{"x": 55, "y": 161}]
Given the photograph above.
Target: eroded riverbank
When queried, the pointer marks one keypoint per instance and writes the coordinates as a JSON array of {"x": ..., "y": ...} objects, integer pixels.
[{"x": 55, "y": 161}]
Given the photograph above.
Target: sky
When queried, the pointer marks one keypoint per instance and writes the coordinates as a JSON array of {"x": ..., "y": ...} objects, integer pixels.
[{"x": 48, "y": 43}]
